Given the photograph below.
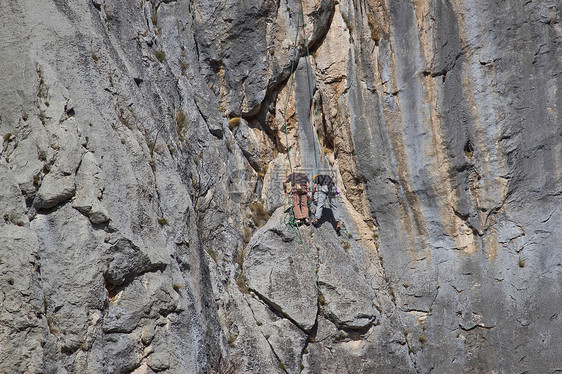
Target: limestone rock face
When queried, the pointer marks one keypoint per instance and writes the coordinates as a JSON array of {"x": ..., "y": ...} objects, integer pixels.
[{"x": 143, "y": 227}]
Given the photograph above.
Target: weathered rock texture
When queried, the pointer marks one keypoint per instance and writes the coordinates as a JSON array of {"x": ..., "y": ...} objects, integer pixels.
[{"x": 143, "y": 147}]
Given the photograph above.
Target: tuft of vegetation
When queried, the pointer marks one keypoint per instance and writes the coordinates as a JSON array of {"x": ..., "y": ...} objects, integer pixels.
[
  {"x": 160, "y": 55},
  {"x": 181, "y": 121},
  {"x": 7, "y": 136},
  {"x": 240, "y": 258},
  {"x": 177, "y": 287},
  {"x": 52, "y": 328},
  {"x": 42, "y": 155},
  {"x": 231, "y": 339},
  {"x": 521, "y": 262},
  {"x": 259, "y": 215},
  {"x": 346, "y": 245},
  {"x": 321, "y": 299},
  {"x": 162, "y": 221},
  {"x": 233, "y": 123},
  {"x": 247, "y": 236},
  {"x": 422, "y": 338},
  {"x": 37, "y": 179},
  {"x": 241, "y": 283},
  {"x": 212, "y": 254}
]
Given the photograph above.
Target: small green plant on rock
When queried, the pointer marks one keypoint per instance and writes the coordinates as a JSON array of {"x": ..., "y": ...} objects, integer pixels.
[
  {"x": 181, "y": 121},
  {"x": 160, "y": 55},
  {"x": 37, "y": 179},
  {"x": 212, "y": 254}
]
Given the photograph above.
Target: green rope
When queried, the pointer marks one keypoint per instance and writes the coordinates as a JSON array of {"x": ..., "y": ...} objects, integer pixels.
[
  {"x": 289, "y": 218},
  {"x": 290, "y": 221}
]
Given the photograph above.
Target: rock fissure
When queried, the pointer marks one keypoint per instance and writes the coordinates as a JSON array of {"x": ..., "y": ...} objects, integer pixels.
[{"x": 278, "y": 310}]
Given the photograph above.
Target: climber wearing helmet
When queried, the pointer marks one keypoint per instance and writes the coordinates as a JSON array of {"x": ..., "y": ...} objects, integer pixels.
[
  {"x": 299, "y": 194},
  {"x": 326, "y": 196}
]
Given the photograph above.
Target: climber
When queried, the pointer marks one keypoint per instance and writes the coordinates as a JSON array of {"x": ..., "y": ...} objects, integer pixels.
[
  {"x": 326, "y": 196},
  {"x": 299, "y": 194}
]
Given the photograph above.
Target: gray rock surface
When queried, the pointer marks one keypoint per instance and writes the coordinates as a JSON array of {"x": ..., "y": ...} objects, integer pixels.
[{"x": 142, "y": 223}]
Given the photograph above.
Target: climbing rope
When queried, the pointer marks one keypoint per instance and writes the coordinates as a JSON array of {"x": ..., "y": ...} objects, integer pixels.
[
  {"x": 289, "y": 218},
  {"x": 310, "y": 82},
  {"x": 290, "y": 221},
  {"x": 293, "y": 60}
]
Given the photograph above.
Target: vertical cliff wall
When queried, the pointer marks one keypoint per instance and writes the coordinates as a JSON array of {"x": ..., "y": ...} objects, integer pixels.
[{"x": 143, "y": 223}]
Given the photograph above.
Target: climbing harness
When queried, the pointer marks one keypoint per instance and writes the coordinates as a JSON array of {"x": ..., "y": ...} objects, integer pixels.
[{"x": 289, "y": 220}]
